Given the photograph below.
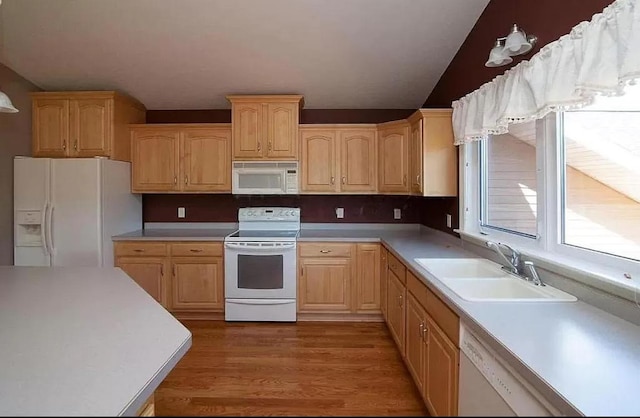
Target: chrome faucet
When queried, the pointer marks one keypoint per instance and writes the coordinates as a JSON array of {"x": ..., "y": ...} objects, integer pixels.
[{"x": 513, "y": 264}]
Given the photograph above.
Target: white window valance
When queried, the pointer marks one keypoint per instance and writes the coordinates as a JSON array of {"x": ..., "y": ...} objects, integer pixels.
[{"x": 596, "y": 57}]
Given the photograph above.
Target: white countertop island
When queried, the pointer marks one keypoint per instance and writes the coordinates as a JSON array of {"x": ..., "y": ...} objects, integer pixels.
[{"x": 82, "y": 341}]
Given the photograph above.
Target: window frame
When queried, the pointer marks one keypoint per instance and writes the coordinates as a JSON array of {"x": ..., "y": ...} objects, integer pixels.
[{"x": 547, "y": 247}]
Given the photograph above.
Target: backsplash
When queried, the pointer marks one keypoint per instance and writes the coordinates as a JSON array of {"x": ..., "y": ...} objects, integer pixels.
[{"x": 314, "y": 208}]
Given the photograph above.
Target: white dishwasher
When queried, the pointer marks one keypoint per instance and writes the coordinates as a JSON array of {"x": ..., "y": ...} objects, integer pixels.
[{"x": 490, "y": 388}]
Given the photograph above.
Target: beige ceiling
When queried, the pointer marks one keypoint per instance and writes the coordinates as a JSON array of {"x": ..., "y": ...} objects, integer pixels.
[{"x": 188, "y": 54}]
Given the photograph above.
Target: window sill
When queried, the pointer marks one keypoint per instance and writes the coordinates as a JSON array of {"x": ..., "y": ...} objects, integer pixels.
[{"x": 595, "y": 275}]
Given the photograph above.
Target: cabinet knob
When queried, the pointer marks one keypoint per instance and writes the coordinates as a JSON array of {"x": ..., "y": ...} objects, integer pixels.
[
  {"x": 186, "y": 179},
  {"x": 421, "y": 331},
  {"x": 400, "y": 300},
  {"x": 344, "y": 179},
  {"x": 418, "y": 179},
  {"x": 269, "y": 145},
  {"x": 64, "y": 145},
  {"x": 325, "y": 251},
  {"x": 139, "y": 250},
  {"x": 194, "y": 250},
  {"x": 259, "y": 146},
  {"x": 333, "y": 180},
  {"x": 75, "y": 145},
  {"x": 175, "y": 180}
]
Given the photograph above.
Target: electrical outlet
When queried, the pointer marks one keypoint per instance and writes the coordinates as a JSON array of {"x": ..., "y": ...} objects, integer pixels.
[
  {"x": 397, "y": 214},
  {"x": 448, "y": 220},
  {"x": 181, "y": 213},
  {"x": 339, "y": 213}
]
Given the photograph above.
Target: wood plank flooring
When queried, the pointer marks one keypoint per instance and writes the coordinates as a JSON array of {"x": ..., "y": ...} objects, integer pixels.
[{"x": 313, "y": 369}]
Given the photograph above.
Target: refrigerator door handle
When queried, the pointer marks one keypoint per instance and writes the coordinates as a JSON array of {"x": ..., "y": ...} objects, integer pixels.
[
  {"x": 43, "y": 228},
  {"x": 49, "y": 230}
]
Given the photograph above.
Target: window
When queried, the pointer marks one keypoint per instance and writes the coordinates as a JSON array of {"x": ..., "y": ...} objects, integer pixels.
[
  {"x": 565, "y": 188},
  {"x": 601, "y": 181},
  {"x": 508, "y": 179}
]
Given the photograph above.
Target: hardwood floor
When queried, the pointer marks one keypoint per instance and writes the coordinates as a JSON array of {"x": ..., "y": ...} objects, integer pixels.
[{"x": 313, "y": 369}]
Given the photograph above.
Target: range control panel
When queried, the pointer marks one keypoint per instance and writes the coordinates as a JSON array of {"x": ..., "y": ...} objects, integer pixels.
[{"x": 269, "y": 214}]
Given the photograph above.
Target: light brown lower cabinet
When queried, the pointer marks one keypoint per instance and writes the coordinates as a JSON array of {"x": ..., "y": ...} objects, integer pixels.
[
  {"x": 148, "y": 409},
  {"x": 185, "y": 277},
  {"x": 396, "y": 296},
  {"x": 425, "y": 330},
  {"x": 339, "y": 278},
  {"x": 149, "y": 273},
  {"x": 197, "y": 283},
  {"x": 383, "y": 280},
  {"x": 416, "y": 349},
  {"x": 441, "y": 372}
]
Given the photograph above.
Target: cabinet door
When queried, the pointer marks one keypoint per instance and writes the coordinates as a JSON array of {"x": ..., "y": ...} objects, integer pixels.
[
  {"x": 325, "y": 285},
  {"x": 248, "y": 131},
  {"x": 416, "y": 157},
  {"x": 282, "y": 131},
  {"x": 416, "y": 345},
  {"x": 149, "y": 273},
  {"x": 396, "y": 295},
  {"x": 197, "y": 283},
  {"x": 441, "y": 372},
  {"x": 441, "y": 156},
  {"x": 393, "y": 159},
  {"x": 50, "y": 122},
  {"x": 155, "y": 160},
  {"x": 383, "y": 281},
  {"x": 318, "y": 163},
  {"x": 367, "y": 288},
  {"x": 206, "y": 160},
  {"x": 358, "y": 161},
  {"x": 90, "y": 122}
]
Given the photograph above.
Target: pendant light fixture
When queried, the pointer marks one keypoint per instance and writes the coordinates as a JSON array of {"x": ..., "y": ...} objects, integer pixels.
[
  {"x": 516, "y": 43},
  {"x": 5, "y": 104}
]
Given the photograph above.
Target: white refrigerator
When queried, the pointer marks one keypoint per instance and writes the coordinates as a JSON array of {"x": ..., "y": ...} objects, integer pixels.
[{"x": 67, "y": 209}]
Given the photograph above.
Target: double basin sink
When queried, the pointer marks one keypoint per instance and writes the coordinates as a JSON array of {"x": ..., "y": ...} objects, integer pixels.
[{"x": 481, "y": 280}]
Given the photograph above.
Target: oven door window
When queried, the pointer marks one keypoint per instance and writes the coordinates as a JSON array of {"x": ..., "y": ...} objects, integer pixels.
[{"x": 260, "y": 271}]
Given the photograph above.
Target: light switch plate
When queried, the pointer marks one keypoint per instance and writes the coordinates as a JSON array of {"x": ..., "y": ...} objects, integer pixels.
[
  {"x": 339, "y": 213},
  {"x": 181, "y": 213},
  {"x": 397, "y": 214},
  {"x": 448, "y": 220}
]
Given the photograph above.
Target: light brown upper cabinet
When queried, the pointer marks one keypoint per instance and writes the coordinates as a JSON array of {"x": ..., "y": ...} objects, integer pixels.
[
  {"x": 434, "y": 165},
  {"x": 338, "y": 158},
  {"x": 393, "y": 169},
  {"x": 265, "y": 126},
  {"x": 84, "y": 124},
  {"x": 181, "y": 158}
]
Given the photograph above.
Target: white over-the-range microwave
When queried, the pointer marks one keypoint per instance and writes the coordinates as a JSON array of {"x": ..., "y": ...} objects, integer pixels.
[{"x": 265, "y": 177}]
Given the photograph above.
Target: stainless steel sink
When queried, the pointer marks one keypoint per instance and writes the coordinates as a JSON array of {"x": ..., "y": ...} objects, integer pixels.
[{"x": 481, "y": 280}]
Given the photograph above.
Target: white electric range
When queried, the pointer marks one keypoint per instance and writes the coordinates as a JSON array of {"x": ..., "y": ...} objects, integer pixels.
[{"x": 260, "y": 266}]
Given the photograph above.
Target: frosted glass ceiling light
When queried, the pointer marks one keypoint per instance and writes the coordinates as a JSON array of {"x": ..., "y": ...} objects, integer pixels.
[
  {"x": 518, "y": 42},
  {"x": 5, "y": 103},
  {"x": 498, "y": 55}
]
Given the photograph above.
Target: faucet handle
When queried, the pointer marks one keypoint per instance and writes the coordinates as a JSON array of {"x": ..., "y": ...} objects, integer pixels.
[{"x": 534, "y": 273}]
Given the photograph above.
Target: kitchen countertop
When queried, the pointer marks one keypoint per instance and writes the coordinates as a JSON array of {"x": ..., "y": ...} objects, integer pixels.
[
  {"x": 82, "y": 341},
  {"x": 583, "y": 360},
  {"x": 186, "y": 234}
]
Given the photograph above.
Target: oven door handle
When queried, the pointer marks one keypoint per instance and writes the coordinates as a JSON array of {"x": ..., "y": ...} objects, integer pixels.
[
  {"x": 261, "y": 301},
  {"x": 260, "y": 247}
]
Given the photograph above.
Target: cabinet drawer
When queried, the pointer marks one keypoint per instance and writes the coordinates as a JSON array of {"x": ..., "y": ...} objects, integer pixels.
[
  {"x": 328, "y": 249},
  {"x": 446, "y": 319},
  {"x": 417, "y": 289},
  {"x": 188, "y": 249},
  {"x": 138, "y": 248},
  {"x": 397, "y": 267}
]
